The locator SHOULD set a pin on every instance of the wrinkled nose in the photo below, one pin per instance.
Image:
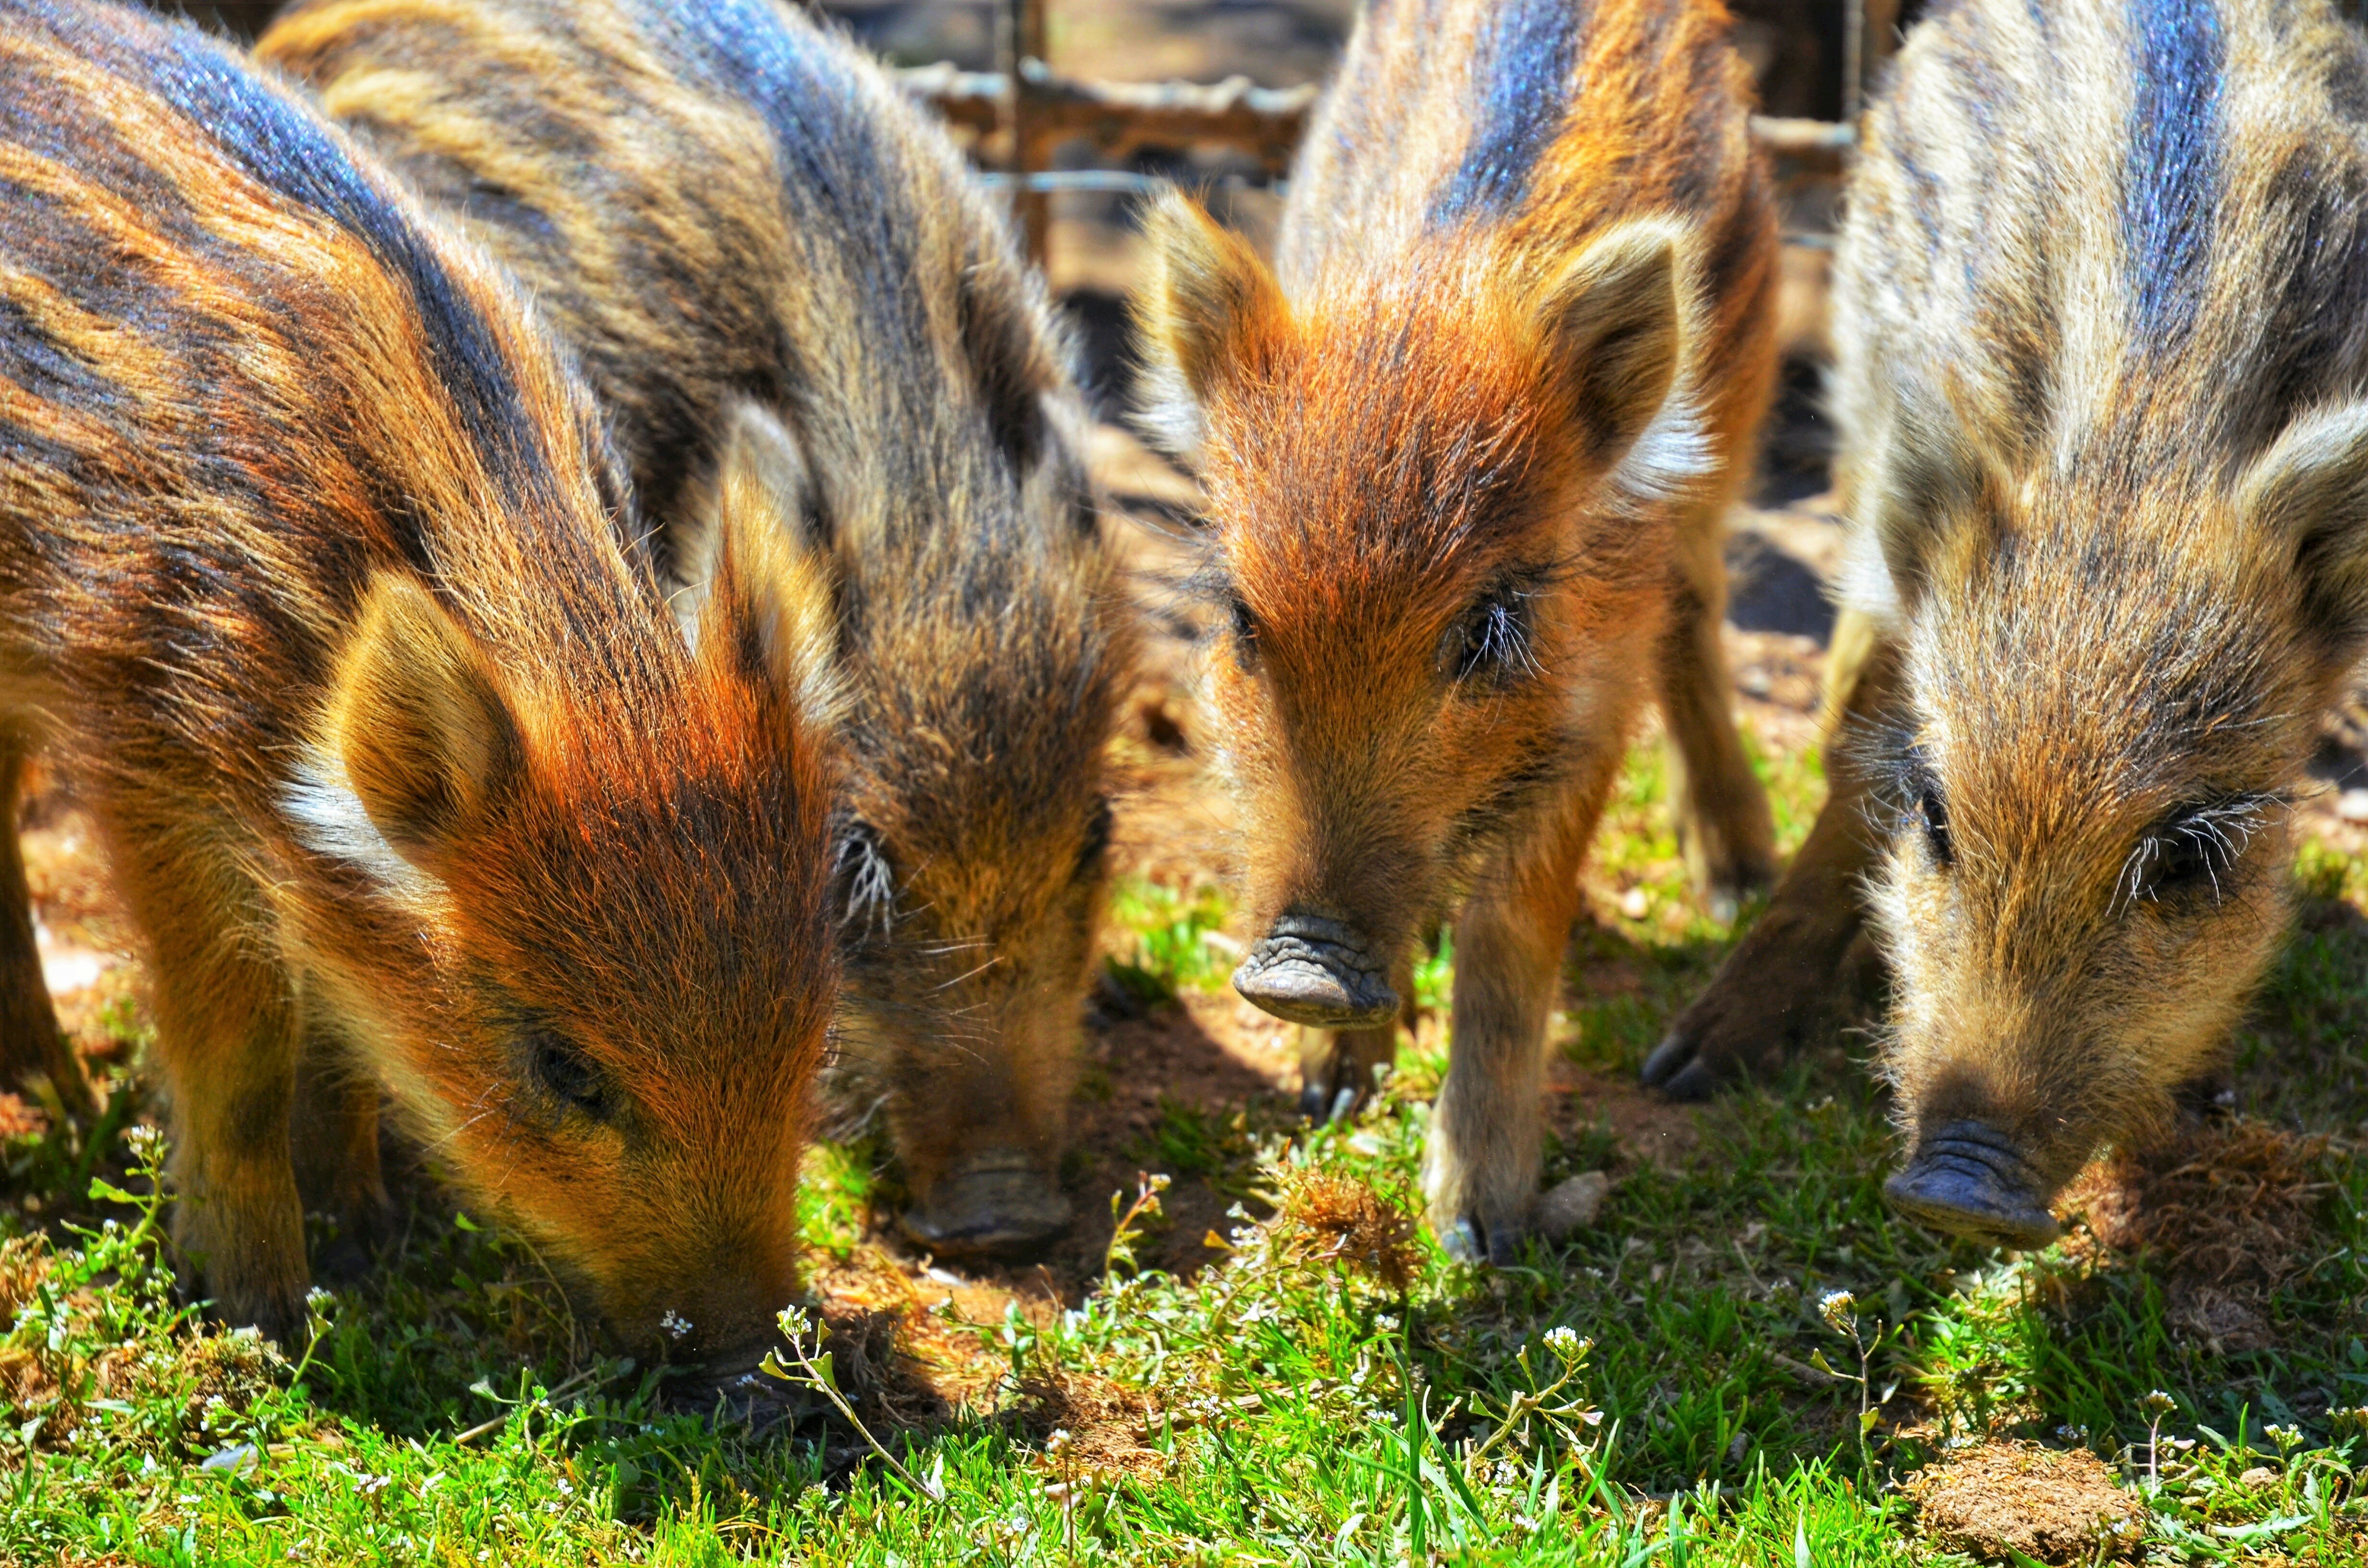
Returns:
(997, 1204)
(1971, 1180)
(1313, 970)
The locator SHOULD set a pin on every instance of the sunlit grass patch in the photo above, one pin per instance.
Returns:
(834, 1184)
(1168, 942)
(1676, 1384)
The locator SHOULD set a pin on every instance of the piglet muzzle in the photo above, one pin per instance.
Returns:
(1969, 1179)
(1311, 970)
(995, 1205)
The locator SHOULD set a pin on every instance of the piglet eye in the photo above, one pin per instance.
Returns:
(2196, 849)
(1935, 815)
(562, 1071)
(1245, 629)
(1098, 838)
(1493, 641)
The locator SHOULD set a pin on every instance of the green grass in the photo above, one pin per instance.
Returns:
(1170, 942)
(1666, 1389)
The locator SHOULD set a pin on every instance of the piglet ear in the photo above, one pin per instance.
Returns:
(2311, 487)
(1613, 330)
(429, 744)
(1208, 303)
(771, 610)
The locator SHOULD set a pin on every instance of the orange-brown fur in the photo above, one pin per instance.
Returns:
(1500, 385)
(744, 226)
(307, 567)
(2101, 332)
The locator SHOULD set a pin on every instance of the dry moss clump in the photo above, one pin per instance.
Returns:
(2002, 1498)
(1093, 1429)
(1334, 1218)
(2235, 1205)
(2226, 1216)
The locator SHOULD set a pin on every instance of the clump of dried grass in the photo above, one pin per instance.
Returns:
(1327, 1219)
(2004, 1498)
(23, 1263)
(20, 1118)
(1108, 1426)
(877, 1373)
(2226, 1216)
(2234, 1207)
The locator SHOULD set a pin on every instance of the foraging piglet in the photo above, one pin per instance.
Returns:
(2101, 314)
(747, 228)
(307, 567)
(1466, 451)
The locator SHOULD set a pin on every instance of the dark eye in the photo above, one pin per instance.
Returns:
(566, 1074)
(1934, 814)
(2195, 849)
(2182, 862)
(1492, 642)
(1245, 629)
(1098, 838)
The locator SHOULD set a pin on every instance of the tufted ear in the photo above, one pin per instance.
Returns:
(416, 717)
(1613, 330)
(2311, 487)
(1208, 303)
(771, 610)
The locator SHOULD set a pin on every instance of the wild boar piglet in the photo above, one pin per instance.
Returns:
(1466, 450)
(773, 264)
(307, 567)
(2102, 320)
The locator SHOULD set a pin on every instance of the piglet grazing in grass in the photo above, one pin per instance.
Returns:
(310, 567)
(758, 244)
(2102, 319)
(1466, 450)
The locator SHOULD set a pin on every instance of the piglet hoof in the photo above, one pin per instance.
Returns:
(1788, 984)
(1309, 970)
(1679, 1068)
(1968, 1179)
(1323, 1103)
(1476, 1226)
(1473, 1239)
(1010, 1211)
(1336, 1069)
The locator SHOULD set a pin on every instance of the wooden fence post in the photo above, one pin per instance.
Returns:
(1022, 48)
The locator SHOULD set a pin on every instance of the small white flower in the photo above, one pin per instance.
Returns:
(1839, 1309)
(676, 1325)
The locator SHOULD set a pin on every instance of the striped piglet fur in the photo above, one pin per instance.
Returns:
(2102, 319)
(311, 570)
(1466, 448)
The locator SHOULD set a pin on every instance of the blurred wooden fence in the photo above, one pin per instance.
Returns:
(1025, 111)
